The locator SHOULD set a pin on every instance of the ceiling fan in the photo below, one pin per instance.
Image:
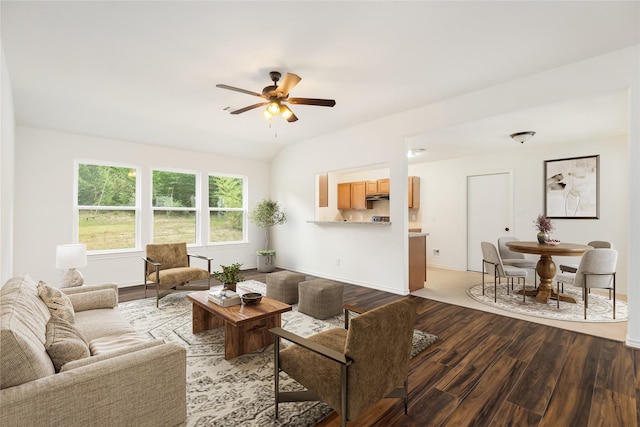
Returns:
(277, 95)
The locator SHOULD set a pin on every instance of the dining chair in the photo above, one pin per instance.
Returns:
(573, 267)
(597, 269)
(516, 259)
(595, 244)
(493, 263)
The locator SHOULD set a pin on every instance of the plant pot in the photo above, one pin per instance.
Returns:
(542, 237)
(265, 263)
(230, 286)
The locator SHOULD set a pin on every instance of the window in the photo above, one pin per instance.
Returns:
(227, 211)
(174, 207)
(106, 204)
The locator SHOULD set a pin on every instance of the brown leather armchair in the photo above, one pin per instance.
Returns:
(167, 268)
(350, 369)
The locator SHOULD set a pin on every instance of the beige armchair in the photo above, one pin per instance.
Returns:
(350, 369)
(167, 268)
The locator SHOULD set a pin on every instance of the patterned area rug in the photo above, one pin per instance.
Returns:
(600, 307)
(236, 392)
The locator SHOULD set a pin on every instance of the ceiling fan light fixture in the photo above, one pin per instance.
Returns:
(267, 115)
(522, 137)
(273, 108)
(286, 112)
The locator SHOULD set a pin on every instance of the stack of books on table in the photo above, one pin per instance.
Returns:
(224, 298)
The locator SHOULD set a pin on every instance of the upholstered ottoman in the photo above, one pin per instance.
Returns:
(283, 286)
(320, 298)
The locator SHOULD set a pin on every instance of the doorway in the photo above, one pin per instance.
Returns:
(489, 213)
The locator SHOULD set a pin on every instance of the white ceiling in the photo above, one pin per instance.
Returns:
(146, 71)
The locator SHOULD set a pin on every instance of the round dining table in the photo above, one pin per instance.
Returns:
(546, 268)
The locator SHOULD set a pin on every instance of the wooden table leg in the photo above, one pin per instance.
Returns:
(203, 320)
(249, 336)
(546, 270)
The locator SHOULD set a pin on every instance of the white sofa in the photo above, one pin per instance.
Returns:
(128, 379)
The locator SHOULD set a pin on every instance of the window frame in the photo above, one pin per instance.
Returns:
(137, 209)
(244, 209)
(196, 209)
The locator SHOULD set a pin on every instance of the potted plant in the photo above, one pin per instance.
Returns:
(265, 215)
(544, 227)
(229, 276)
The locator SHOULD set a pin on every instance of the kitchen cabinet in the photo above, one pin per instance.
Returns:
(372, 187)
(383, 186)
(414, 192)
(323, 190)
(344, 195)
(352, 195)
(417, 261)
(380, 186)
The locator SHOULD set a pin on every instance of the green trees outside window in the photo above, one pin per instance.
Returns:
(226, 209)
(106, 207)
(174, 207)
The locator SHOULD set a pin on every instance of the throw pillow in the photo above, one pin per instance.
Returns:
(102, 298)
(64, 343)
(58, 303)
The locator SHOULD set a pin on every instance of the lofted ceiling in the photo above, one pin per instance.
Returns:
(146, 71)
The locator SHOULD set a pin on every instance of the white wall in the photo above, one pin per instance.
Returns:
(44, 201)
(7, 152)
(444, 200)
(378, 258)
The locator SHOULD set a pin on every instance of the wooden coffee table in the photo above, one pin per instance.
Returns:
(246, 326)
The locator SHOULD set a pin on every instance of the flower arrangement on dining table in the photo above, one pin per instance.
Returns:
(544, 226)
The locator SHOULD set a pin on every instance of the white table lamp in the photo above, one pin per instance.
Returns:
(71, 257)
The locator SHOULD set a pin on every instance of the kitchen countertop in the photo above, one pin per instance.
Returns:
(412, 234)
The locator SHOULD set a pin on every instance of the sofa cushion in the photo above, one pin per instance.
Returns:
(102, 322)
(64, 342)
(23, 322)
(58, 303)
(110, 343)
(101, 298)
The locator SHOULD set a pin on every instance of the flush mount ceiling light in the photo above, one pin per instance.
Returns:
(413, 152)
(522, 137)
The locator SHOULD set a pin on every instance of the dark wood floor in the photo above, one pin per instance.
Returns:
(491, 370)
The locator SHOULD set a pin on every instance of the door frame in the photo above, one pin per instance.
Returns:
(510, 203)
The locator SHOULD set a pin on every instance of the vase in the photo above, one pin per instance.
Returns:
(265, 263)
(543, 237)
(230, 286)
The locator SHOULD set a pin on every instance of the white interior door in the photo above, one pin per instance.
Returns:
(489, 213)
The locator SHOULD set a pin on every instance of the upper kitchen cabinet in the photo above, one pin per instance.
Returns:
(383, 186)
(352, 195)
(380, 186)
(414, 192)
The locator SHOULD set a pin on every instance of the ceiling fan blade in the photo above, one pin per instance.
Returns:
(292, 118)
(237, 89)
(313, 101)
(250, 107)
(288, 83)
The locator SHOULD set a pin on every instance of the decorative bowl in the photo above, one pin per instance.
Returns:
(251, 298)
(552, 242)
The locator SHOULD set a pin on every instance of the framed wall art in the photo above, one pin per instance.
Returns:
(572, 187)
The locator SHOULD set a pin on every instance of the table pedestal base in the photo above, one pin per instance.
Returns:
(554, 295)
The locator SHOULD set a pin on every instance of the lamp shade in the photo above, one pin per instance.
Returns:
(71, 256)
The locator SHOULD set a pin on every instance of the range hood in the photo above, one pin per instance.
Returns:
(374, 197)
